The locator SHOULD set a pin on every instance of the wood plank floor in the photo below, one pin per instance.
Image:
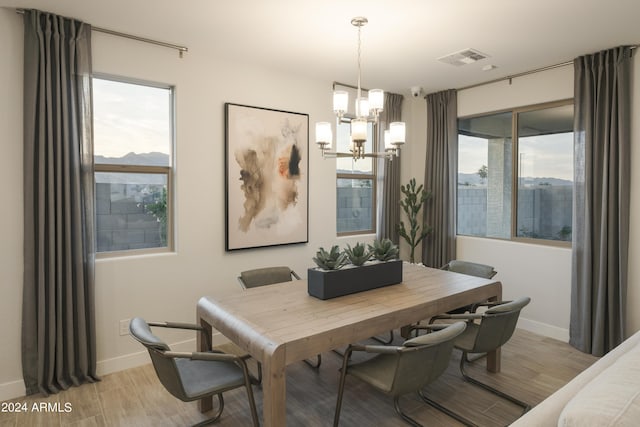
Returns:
(533, 367)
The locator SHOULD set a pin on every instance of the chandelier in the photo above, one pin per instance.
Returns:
(366, 110)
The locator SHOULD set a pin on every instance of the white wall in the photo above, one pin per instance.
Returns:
(539, 271)
(11, 223)
(163, 287)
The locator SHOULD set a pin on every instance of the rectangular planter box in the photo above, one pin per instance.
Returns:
(335, 283)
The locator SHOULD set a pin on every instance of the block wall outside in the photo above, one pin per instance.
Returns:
(543, 211)
(121, 220)
(354, 206)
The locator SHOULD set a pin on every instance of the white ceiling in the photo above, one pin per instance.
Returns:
(400, 45)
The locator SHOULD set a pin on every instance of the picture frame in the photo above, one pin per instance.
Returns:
(266, 177)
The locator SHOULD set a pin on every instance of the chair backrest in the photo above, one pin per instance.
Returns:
(498, 324)
(470, 268)
(266, 276)
(164, 366)
(424, 358)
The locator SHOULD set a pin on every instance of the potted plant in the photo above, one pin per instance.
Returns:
(357, 255)
(414, 199)
(332, 260)
(384, 250)
(345, 272)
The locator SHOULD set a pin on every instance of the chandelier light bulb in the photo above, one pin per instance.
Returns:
(387, 140)
(397, 133)
(359, 130)
(376, 99)
(362, 107)
(324, 134)
(340, 101)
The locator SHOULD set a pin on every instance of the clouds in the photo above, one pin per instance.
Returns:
(542, 156)
(131, 117)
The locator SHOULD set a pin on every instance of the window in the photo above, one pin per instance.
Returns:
(356, 185)
(515, 173)
(133, 144)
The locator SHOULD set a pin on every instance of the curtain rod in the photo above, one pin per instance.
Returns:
(525, 73)
(181, 49)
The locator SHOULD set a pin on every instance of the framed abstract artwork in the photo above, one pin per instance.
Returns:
(267, 177)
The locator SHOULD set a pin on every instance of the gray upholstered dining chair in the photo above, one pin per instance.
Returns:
(470, 268)
(195, 375)
(488, 331)
(462, 267)
(400, 370)
(263, 277)
(266, 276)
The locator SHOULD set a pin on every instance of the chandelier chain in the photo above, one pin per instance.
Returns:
(359, 61)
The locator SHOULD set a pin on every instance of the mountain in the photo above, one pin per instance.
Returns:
(474, 180)
(146, 159)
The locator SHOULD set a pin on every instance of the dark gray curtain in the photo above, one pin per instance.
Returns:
(601, 200)
(389, 173)
(439, 247)
(58, 319)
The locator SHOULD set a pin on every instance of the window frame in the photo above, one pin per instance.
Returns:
(373, 176)
(515, 172)
(168, 171)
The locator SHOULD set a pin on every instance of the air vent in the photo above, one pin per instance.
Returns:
(463, 57)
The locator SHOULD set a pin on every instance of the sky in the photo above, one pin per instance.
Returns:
(130, 118)
(549, 156)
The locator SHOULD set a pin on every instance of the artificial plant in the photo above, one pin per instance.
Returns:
(413, 200)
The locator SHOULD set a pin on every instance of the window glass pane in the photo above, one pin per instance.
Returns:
(545, 173)
(343, 140)
(131, 123)
(355, 205)
(485, 175)
(131, 210)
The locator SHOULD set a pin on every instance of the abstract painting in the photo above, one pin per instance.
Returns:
(267, 177)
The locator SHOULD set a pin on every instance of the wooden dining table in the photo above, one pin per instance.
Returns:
(281, 324)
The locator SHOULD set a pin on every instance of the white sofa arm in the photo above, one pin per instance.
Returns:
(548, 412)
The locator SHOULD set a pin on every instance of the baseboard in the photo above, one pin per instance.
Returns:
(140, 358)
(545, 329)
(13, 389)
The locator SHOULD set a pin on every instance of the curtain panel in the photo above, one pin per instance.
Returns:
(439, 247)
(389, 173)
(602, 140)
(58, 318)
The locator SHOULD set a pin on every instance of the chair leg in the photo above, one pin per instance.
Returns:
(314, 365)
(252, 405)
(216, 416)
(343, 376)
(441, 408)
(248, 379)
(405, 417)
(487, 387)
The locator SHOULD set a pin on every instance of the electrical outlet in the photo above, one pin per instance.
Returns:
(124, 327)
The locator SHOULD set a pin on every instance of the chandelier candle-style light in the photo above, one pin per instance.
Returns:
(367, 110)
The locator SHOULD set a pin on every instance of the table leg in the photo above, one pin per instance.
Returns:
(203, 344)
(274, 381)
(493, 360)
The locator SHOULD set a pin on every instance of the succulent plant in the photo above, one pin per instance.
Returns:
(332, 260)
(358, 255)
(384, 250)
